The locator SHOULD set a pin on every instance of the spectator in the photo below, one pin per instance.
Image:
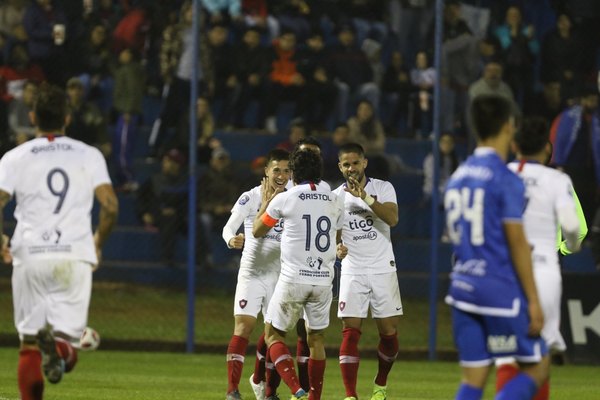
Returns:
(96, 68)
(205, 126)
(293, 16)
(106, 12)
(297, 132)
(251, 68)
(396, 88)
(352, 71)
(423, 78)
(218, 190)
(161, 203)
(490, 83)
(18, 71)
(87, 123)
(19, 120)
(448, 162)
(256, 15)
(47, 32)
(321, 91)
(176, 62)
(286, 83)
(366, 130)
(520, 50)
(547, 104)
(11, 19)
(223, 69)
(561, 55)
(223, 11)
(575, 135)
(459, 65)
(127, 102)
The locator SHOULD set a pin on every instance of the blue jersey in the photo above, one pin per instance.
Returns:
(480, 197)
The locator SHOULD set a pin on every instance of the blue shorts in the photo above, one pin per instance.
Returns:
(482, 338)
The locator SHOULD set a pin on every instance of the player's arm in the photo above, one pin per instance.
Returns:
(4, 250)
(564, 247)
(109, 211)
(233, 239)
(521, 257)
(387, 212)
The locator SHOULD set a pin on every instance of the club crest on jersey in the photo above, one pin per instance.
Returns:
(243, 303)
(244, 199)
(342, 305)
(315, 263)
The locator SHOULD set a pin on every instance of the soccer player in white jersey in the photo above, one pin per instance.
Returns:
(312, 218)
(368, 278)
(259, 270)
(550, 203)
(54, 179)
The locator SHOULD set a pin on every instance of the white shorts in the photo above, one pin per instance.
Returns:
(54, 292)
(379, 291)
(290, 300)
(549, 286)
(253, 293)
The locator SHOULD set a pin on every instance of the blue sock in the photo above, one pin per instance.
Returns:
(521, 387)
(466, 392)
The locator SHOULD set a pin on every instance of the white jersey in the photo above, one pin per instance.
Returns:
(53, 180)
(312, 217)
(365, 234)
(259, 254)
(321, 185)
(547, 190)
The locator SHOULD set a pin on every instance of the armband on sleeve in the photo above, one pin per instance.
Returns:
(268, 220)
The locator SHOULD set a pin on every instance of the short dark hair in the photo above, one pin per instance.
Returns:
(532, 136)
(307, 140)
(278, 155)
(306, 166)
(50, 108)
(488, 114)
(351, 148)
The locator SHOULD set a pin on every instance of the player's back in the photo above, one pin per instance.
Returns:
(53, 180)
(547, 189)
(312, 217)
(481, 196)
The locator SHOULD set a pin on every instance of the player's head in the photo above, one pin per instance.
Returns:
(308, 143)
(352, 161)
(306, 166)
(277, 169)
(532, 137)
(492, 116)
(50, 109)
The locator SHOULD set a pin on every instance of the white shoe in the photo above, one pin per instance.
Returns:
(258, 389)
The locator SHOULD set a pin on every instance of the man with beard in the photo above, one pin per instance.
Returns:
(368, 277)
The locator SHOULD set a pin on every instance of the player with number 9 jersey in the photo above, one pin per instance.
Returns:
(53, 179)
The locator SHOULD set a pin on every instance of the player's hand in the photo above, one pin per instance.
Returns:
(354, 188)
(237, 242)
(536, 318)
(5, 250)
(341, 251)
(268, 193)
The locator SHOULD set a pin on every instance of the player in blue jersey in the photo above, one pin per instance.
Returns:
(495, 307)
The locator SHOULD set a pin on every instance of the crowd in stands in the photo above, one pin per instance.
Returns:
(344, 70)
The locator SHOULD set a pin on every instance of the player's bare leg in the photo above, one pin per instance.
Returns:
(281, 357)
(386, 354)
(236, 352)
(349, 356)
(472, 383)
(316, 363)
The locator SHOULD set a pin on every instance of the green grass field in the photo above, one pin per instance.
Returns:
(109, 375)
